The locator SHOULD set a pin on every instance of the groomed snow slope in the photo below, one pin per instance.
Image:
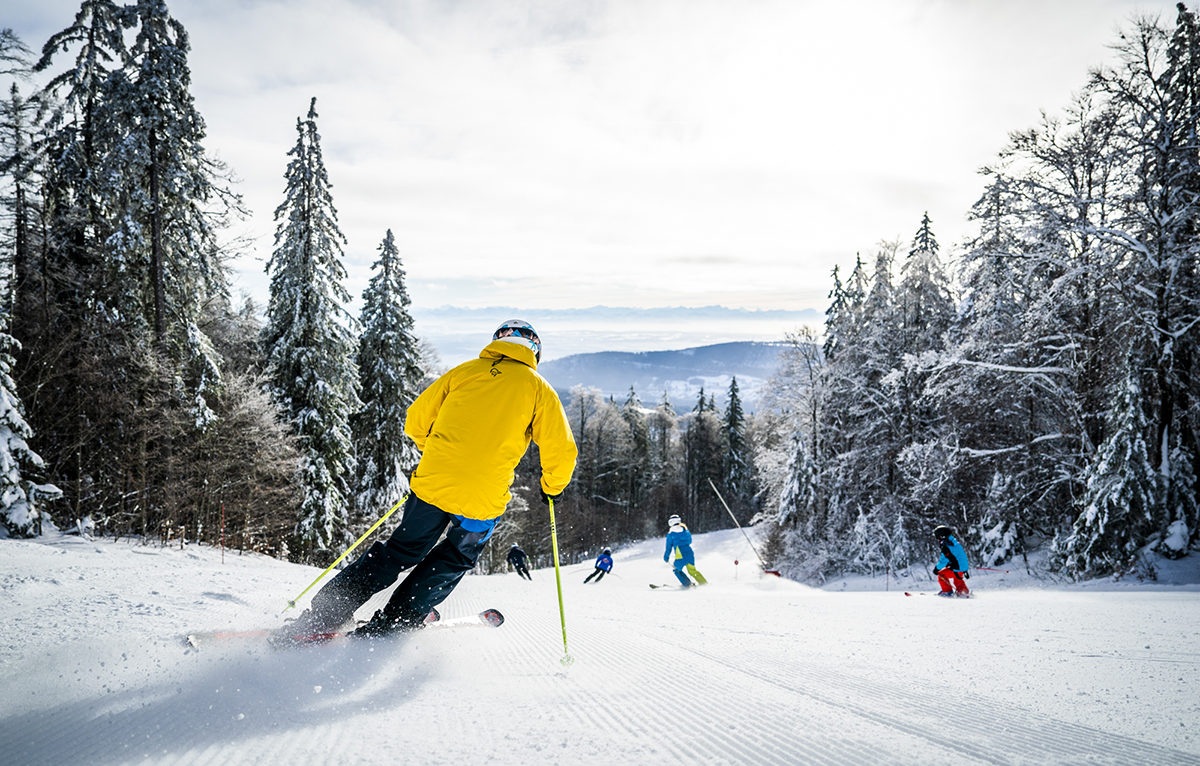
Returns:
(750, 669)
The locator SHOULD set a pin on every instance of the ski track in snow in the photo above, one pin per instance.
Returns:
(747, 670)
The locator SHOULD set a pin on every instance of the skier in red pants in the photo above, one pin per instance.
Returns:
(952, 567)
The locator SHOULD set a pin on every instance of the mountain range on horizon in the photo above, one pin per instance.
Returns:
(680, 373)
(459, 333)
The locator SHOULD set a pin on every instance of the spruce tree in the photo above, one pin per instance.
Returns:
(636, 458)
(1156, 242)
(1121, 505)
(738, 469)
(797, 499)
(390, 372)
(20, 515)
(703, 462)
(168, 200)
(310, 346)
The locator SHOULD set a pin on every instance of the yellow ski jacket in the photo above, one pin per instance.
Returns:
(475, 422)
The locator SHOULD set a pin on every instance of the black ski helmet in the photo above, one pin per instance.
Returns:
(608, 550)
(942, 531)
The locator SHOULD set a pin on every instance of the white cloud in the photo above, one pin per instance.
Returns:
(664, 151)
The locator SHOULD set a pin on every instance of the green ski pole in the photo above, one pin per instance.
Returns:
(365, 535)
(567, 659)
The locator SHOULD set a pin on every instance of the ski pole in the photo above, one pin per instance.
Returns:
(989, 569)
(365, 535)
(739, 526)
(567, 659)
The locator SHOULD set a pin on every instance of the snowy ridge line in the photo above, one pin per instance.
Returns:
(1066, 741)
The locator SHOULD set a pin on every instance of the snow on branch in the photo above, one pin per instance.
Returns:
(1004, 450)
(1011, 368)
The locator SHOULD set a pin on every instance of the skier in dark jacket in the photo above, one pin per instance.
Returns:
(603, 566)
(952, 567)
(517, 557)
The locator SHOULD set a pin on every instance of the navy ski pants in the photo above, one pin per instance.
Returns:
(436, 567)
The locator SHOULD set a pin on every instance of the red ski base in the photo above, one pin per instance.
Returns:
(488, 617)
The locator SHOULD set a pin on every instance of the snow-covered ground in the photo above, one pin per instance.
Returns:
(748, 669)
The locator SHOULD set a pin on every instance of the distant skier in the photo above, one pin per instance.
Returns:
(472, 426)
(679, 540)
(517, 557)
(952, 567)
(604, 564)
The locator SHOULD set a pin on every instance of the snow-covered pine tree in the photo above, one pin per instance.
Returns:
(1121, 506)
(665, 476)
(61, 320)
(863, 388)
(390, 373)
(1002, 408)
(927, 310)
(703, 460)
(797, 499)
(168, 200)
(738, 469)
(635, 456)
(75, 140)
(1155, 238)
(19, 496)
(791, 408)
(1183, 89)
(838, 316)
(1063, 169)
(20, 166)
(310, 346)
(923, 294)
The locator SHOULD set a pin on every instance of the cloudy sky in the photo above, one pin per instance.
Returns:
(552, 154)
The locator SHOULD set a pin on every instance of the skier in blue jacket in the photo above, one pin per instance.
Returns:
(952, 567)
(604, 565)
(679, 540)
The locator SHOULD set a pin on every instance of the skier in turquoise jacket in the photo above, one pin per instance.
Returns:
(952, 567)
(679, 540)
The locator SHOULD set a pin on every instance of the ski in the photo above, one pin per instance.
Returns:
(935, 594)
(488, 617)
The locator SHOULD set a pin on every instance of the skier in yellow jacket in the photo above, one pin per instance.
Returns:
(472, 425)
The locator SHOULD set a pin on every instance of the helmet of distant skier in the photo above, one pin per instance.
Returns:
(607, 551)
(674, 520)
(941, 532)
(520, 332)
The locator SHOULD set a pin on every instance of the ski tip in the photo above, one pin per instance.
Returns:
(492, 617)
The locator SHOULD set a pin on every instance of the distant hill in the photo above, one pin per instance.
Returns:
(680, 373)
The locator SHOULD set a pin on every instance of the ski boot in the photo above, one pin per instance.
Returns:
(385, 622)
